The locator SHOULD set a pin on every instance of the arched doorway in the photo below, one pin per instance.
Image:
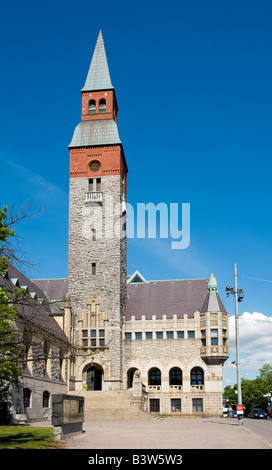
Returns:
(130, 377)
(94, 377)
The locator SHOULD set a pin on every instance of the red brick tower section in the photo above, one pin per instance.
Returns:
(100, 160)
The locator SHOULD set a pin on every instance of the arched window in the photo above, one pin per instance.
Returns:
(92, 107)
(175, 376)
(154, 377)
(46, 396)
(102, 106)
(197, 376)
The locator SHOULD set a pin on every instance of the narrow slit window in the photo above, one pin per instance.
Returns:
(93, 269)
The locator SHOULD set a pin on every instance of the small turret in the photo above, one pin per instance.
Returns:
(214, 325)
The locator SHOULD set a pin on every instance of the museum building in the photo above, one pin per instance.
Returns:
(164, 342)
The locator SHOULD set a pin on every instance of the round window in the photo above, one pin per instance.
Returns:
(94, 166)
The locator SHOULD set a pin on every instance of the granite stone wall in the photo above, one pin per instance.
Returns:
(107, 251)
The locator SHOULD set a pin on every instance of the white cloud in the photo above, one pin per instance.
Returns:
(38, 187)
(255, 333)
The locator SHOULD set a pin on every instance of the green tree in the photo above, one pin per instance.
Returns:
(266, 376)
(11, 347)
(253, 391)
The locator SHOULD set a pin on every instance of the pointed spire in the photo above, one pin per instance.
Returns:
(98, 77)
(212, 285)
(212, 302)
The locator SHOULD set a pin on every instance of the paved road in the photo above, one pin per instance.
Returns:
(209, 433)
(261, 428)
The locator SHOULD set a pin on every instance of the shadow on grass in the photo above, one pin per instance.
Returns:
(34, 438)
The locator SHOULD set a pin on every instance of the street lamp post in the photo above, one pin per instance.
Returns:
(239, 295)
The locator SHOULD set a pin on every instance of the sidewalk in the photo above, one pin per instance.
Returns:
(174, 433)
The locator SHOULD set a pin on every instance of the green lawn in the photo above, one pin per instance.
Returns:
(27, 437)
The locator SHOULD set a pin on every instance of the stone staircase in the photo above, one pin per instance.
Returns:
(116, 405)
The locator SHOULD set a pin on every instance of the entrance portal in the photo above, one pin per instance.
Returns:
(130, 376)
(94, 377)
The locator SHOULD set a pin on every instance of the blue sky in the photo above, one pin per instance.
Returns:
(193, 85)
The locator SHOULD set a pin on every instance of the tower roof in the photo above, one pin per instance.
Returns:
(98, 77)
(212, 302)
(212, 286)
(102, 132)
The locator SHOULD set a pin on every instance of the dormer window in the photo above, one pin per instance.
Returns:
(92, 107)
(102, 106)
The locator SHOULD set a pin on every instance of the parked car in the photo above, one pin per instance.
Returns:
(257, 413)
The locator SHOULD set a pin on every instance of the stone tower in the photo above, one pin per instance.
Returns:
(97, 238)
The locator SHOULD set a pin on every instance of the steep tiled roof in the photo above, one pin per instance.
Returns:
(54, 288)
(34, 308)
(158, 298)
(98, 77)
(165, 298)
(212, 303)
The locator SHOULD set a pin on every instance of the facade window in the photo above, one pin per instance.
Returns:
(138, 336)
(175, 376)
(92, 107)
(45, 356)
(27, 338)
(93, 269)
(94, 185)
(224, 333)
(148, 335)
(154, 405)
(97, 337)
(203, 337)
(46, 396)
(197, 376)
(191, 334)
(180, 334)
(128, 336)
(61, 360)
(94, 166)
(214, 337)
(27, 397)
(159, 335)
(154, 377)
(101, 337)
(197, 405)
(93, 234)
(93, 338)
(170, 334)
(175, 405)
(102, 106)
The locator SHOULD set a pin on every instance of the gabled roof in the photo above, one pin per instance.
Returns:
(98, 77)
(136, 278)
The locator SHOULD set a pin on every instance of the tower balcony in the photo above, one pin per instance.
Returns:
(214, 353)
(94, 196)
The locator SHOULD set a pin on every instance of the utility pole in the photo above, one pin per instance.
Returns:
(239, 295)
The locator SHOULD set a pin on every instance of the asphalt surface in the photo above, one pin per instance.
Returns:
(174, 433)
